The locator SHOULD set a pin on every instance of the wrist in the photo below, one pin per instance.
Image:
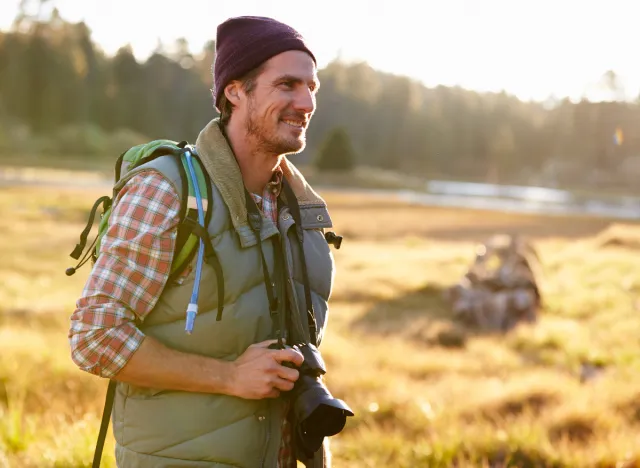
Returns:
(225, 378)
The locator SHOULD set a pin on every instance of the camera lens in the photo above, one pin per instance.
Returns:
(317, 412)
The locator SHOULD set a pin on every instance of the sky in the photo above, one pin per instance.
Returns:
(533, 49)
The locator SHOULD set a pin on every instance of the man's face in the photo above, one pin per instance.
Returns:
(278, 110)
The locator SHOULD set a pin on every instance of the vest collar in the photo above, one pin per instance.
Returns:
(221, 165)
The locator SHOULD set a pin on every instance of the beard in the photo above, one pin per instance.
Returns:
(270, 139)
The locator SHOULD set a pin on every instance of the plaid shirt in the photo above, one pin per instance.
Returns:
(130, 273)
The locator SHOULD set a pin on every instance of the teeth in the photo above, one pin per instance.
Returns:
(293, 123)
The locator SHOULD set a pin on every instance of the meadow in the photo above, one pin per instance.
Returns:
(427, 391)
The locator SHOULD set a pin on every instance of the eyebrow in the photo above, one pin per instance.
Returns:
(297, 79)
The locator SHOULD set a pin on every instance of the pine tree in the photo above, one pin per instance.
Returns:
(336, 153)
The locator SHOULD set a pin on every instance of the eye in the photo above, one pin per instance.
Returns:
(287, 84)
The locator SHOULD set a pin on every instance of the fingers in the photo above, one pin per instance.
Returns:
(287, 373)
(282, 384)
(275, 386)
(290, 355)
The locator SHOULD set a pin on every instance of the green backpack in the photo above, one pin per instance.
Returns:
(188, 232)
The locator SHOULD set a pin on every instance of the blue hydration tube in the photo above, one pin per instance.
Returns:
(192, 308)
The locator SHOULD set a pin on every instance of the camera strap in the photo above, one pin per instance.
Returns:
(275, 284)
(292, 202)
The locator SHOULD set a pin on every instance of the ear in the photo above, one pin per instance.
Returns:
(233, 92)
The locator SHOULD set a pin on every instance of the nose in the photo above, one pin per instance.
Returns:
(305, 100)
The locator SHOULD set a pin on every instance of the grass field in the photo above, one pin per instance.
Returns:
(421, 400)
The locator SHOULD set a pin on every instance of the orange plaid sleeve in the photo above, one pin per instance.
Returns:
(128, 277)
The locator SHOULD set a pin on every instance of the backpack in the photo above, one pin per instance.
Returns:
(186, 244)
(192, 237)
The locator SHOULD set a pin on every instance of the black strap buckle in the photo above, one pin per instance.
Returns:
(333, 239)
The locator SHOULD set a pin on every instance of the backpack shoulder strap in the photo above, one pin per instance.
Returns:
(187, 239)
(104, 424)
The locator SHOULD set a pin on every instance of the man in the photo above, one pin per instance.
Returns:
(214, 398)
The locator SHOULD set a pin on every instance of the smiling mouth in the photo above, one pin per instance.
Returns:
(298, 124)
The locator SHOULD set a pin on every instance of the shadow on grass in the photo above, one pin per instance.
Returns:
(422, 315)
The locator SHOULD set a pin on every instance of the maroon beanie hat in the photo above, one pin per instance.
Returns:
(245, 42)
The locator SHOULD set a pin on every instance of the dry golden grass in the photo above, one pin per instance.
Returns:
(427, 391)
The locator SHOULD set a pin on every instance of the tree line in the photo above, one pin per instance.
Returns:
(60, 93)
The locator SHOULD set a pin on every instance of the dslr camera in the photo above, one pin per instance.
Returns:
(317, 414)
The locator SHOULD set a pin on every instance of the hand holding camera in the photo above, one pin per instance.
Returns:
(262, 372)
